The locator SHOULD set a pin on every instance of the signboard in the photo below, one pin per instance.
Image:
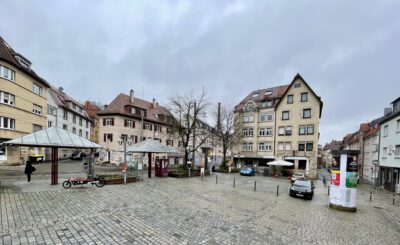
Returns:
(351, 171)
(335, 171)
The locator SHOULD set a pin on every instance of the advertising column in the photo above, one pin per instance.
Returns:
(344, 176)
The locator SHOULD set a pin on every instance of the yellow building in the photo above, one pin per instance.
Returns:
(280, 123)
(23, 102)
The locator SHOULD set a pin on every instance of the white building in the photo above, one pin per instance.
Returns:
(389, 150)
(66, 113)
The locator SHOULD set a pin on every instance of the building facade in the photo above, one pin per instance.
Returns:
(23, 103)
(281, 123)
(92, 110)
(66, 113)
(133, 118)
(389, 149)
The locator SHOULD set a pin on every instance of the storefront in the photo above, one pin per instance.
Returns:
(389, 178)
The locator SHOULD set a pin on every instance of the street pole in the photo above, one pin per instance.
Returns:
(125, 159)
(194, 134)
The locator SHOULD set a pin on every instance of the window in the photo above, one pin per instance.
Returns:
(384, 155)
(265, 132)
(37, 109)
(80, 132)
(398, 126)
(248, 118)
(108, 137)
(147, 126)
(288, 146)
(74, 106)
(129, 123)
(297, 85)
(268, 92)
(290, 99)
(302, 146)
(169, 130)
(7, 123)
(264, 146)
(7, 73)
(51, 110)
(282, 131)
(157, 128)
(248, 132)
(281, 146)
(285, 115)
(385, 130)
(180, 144)
(65, 114)
(80, 121)
(87, 124)
(265, 117)
(304, 97)
(74, 118)
(170, 142)
(267, 103)
(80, 109)
(249, 107)
(87, 135)
(288, 130)
(397, 151)
(49, 123)
(108, 121)
(309, 146)
(310, 129)
(7, 98)
(247, 147)
(307, 113)
(37, 89)
(302, 130)
(256, 95)
(65, 127)
(37, 127)
(74, 130)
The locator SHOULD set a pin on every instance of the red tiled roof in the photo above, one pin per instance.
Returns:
(7, 55)
(277, 93)
(364, 127)
(372, 132)
(61, 98)
(120, 103)
(91, 109)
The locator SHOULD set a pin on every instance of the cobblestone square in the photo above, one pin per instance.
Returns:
(192, 211)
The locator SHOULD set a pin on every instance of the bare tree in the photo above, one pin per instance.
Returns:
(189, 112)
(228, 130)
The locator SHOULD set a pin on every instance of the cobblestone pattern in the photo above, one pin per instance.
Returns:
(183, 211)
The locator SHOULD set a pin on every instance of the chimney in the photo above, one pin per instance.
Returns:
(154, 103)
(132, 95)
(61, 90)
(105, 106)
(387, 111)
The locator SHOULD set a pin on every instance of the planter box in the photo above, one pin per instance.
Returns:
(120, 181)
(183, 175)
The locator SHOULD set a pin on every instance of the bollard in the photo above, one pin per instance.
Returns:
(370, 196)
(233, 182)
(189, 172)
(328, 190)
(216, 179)
(394, 198)
(255, 186)
(277, 190)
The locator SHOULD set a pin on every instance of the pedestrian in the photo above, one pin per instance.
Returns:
(29, 169)
(324, 180)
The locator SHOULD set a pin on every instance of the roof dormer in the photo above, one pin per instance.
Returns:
(23, 61)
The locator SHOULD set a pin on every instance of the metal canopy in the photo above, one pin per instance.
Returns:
(280, 163)
(152, 146)
(52, 137)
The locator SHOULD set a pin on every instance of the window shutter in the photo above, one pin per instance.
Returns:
(133, 124)
(125, 123)
(136, 139)
(111, 137)
(104, 122)
(151, 127)
(105, 137)
(112, 121)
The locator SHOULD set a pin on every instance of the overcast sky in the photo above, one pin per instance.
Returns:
(347, 51)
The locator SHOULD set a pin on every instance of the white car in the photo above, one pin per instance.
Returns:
(297, 176)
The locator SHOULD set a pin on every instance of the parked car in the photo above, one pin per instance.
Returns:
(297, 176)
(302, 188)
(77, 155)
(247, 171)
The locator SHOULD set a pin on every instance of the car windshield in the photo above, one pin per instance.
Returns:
(247, 168)
(301, 183)
(298, 175)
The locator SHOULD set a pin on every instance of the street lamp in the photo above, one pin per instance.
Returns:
(124, 140)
